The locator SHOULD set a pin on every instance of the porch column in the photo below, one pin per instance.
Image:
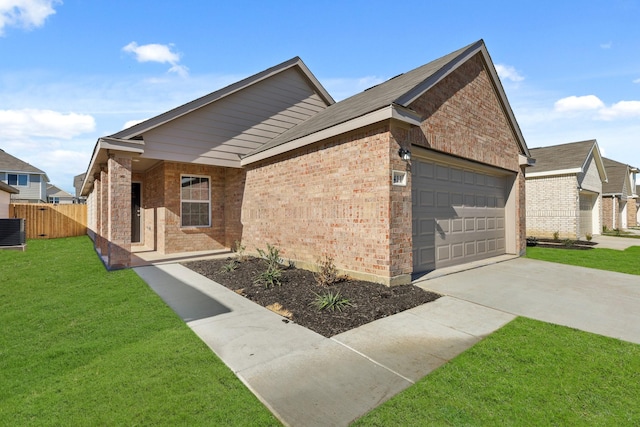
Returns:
(97, 201)
(104, 210)
(119, 206)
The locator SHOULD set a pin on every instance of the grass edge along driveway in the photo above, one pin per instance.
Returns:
(83, 346)
(531, 372)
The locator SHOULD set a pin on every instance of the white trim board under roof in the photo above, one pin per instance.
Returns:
(398, 92)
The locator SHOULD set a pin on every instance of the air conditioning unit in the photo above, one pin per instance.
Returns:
(12, 232)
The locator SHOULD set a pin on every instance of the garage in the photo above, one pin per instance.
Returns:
(458, 213)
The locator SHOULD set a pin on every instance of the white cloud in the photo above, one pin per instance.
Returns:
(132, 123)
(509, 73)
(622, 109)
(578, 103)
(27, 123)
(637, 80)
(606, 45)
(25, 14)
(157, 53)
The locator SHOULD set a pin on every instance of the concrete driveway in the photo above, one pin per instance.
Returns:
(592, 300)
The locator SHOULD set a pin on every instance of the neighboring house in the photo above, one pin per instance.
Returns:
(564, 190)
(619, 198)
(78, 180)
(420, 172)
(5, 198)
(638, 206)
(30, 181)
(57, 196)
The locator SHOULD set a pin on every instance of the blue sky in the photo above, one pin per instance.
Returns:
(74, 70)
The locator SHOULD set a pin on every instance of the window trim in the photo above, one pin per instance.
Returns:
(182, 201)
(18, 175)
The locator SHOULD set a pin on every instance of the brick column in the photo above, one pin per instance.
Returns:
(104, 210)
(119, 211)
(97, 199)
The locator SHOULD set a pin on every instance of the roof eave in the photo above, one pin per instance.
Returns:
(100, 155)
(390, 112)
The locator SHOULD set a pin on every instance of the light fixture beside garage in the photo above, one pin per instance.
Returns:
(404, 154)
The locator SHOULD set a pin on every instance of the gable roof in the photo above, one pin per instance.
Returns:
(8, 189)
(131, 139)
(390, 99)
(9, 163)
(53, 191)
(140, 128)
(619, 181)
(570, 158)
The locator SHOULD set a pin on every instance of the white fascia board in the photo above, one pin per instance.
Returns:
(401, 114)
(102, 147)
(552, 173)
(526, 161)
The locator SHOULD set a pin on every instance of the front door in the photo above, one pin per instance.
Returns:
(135, 212)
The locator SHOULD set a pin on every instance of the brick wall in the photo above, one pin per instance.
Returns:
(552, 205)
(333, 199)
(632, 213)
(119, 211)
(463, 116)
(609, 208)
(234, 196)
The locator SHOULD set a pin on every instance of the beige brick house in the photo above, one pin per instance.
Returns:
(564, 190)
(619, 201)
(420, 172)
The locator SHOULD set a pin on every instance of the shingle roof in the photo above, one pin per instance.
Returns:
(9, 163)
(400, 90)
(618, 173)
(561, 157)
(54, 191)
(7, 188)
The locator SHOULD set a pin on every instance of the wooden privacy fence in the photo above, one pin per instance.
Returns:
(49, 221)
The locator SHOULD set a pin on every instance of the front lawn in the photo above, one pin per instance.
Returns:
(527, 373)
(83, 346)
(627, 261)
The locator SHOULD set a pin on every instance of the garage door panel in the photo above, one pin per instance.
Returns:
(468, 215)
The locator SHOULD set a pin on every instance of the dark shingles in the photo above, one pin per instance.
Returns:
(561, 157)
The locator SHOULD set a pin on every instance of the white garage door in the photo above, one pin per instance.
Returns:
(458, 215)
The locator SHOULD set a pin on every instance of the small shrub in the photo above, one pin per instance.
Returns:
(327, 273)
(589, 236)
(569, 243)
(271, 256)
(604, 229)
(230, 266)
(532, 241)
(616, 232)
(330, 301)
(270, 277)
(240, 251)
(556, 235)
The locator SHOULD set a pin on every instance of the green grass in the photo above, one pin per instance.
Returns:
(627, 261)
(83, 346)
(527, 373)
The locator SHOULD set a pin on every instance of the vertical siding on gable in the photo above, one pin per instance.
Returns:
(462, 115)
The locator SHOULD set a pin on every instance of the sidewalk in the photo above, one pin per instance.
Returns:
(304, 378)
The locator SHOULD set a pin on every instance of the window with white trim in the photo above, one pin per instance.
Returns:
(20, 180)
(195, 201)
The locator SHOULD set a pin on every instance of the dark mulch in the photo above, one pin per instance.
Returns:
(369, 301)
(561, 243)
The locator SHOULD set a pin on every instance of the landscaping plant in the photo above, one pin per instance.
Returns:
(330, 300)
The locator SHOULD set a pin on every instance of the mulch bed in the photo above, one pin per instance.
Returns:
(369, 301)
(562, 244)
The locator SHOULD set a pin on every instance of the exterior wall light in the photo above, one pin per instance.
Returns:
(404, 154)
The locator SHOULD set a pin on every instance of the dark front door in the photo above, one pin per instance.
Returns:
(135, 212)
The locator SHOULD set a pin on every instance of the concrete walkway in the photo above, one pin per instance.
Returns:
(619, 243)
(306, 379)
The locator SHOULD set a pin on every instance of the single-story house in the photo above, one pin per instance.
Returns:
(638, 206)
(420, 172)
(58, 196)
(619, 196)
(5, 199)
(30, 181)
(564, 190)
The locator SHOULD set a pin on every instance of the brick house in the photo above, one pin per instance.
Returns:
(619, 198)
(564, 190)
(420, 172)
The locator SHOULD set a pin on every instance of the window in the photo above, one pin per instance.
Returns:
(54, 199)
(195, 201)
(21, 180)
(399, 178)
